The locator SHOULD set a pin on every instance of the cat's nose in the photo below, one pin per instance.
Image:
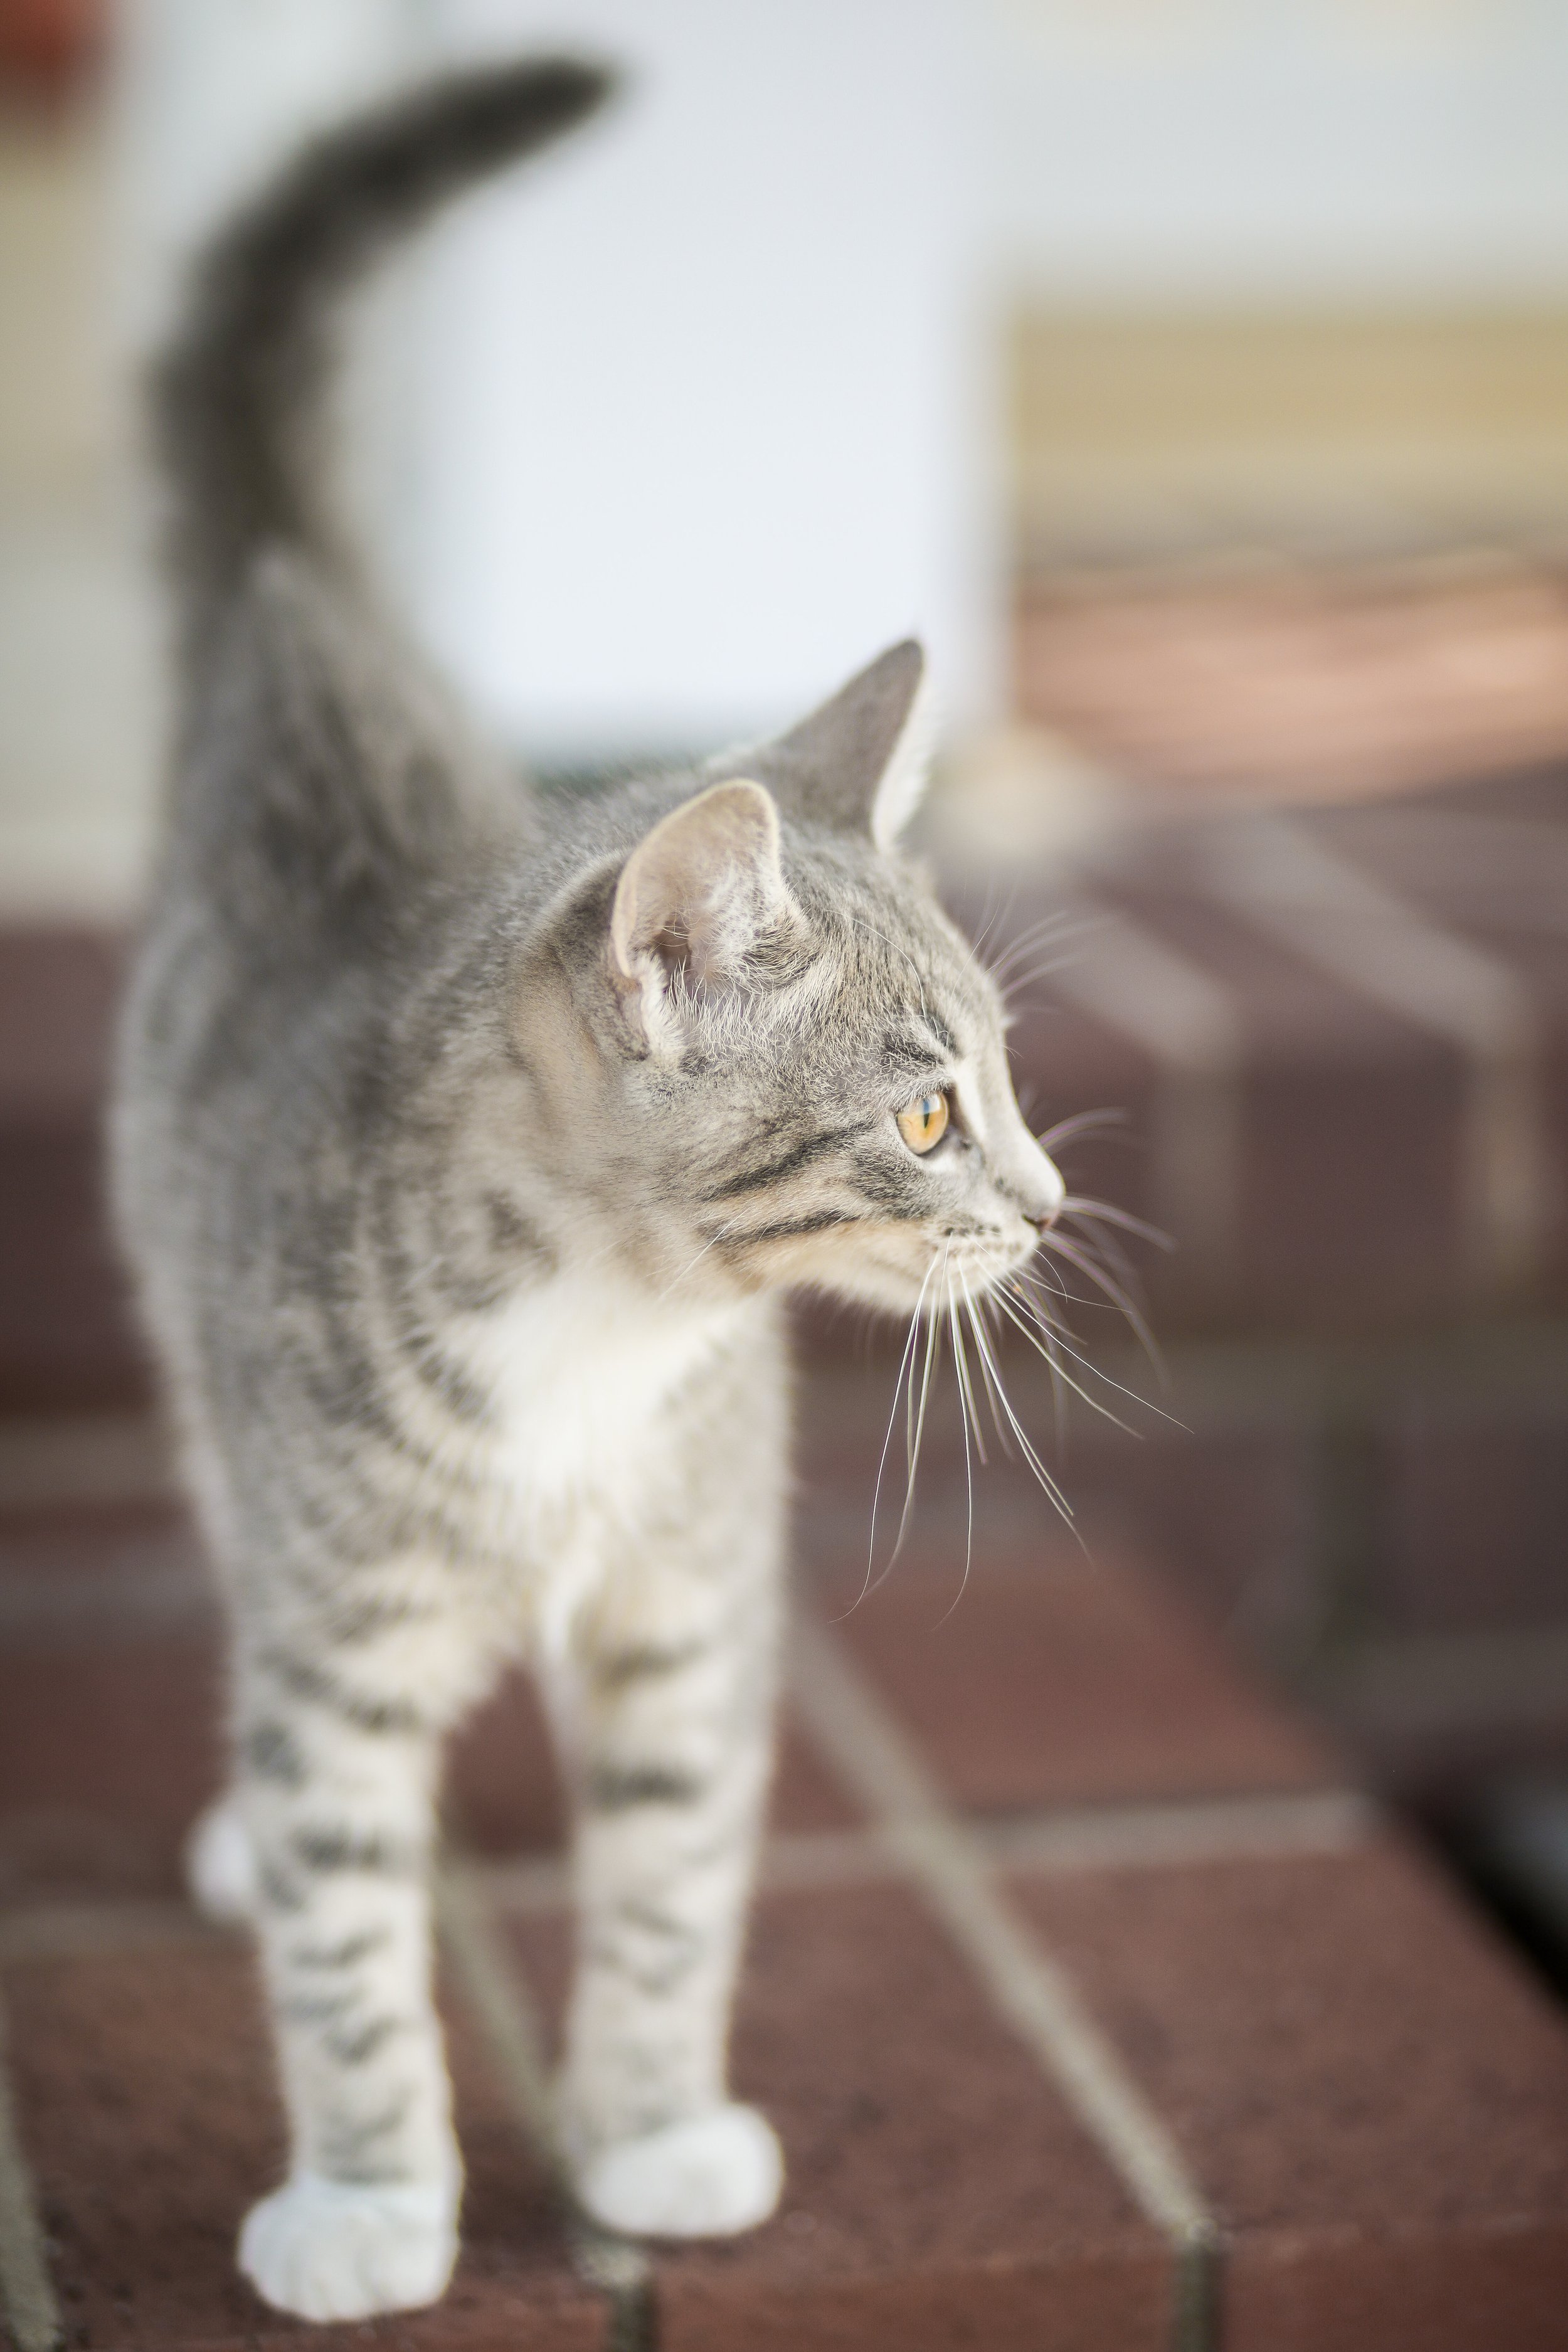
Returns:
(1039, 1187)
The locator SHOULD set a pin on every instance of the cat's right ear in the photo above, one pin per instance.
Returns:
(860, 762)
(693, 900)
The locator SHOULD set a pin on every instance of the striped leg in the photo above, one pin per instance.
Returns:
(336, 1790)
(671, 1737)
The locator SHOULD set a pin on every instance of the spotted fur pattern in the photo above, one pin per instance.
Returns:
(466, 1140)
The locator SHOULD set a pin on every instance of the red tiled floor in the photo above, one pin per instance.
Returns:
(146, 2103)
(940, 2195)
(110, 1697)
(1056, 1680)
(1370, 2090)
(1488, 1483)
(106, 1759)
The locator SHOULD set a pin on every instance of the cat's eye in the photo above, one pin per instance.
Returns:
(922, 1124)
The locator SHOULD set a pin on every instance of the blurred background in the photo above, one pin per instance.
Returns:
(1194, 374)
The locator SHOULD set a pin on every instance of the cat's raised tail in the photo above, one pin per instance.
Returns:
(238, 395)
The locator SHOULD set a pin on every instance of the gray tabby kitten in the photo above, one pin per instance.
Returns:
(467, 1143)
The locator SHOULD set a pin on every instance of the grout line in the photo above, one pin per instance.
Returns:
(1110, 1837)
(1190, 1026)
(97, 1605)
(96, 1458)
(1173, 1836)
(27, 2297)
(497, 2002)
(617, 2267)
(1107, 1837)
(61, 1930)
(1376, 943)
(1030, 1990)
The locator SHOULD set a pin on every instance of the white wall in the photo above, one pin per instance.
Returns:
(704, 413)
(1284, 151)
(690, 419)
(704, 418)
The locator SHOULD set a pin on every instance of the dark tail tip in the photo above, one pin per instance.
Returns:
(238, 397)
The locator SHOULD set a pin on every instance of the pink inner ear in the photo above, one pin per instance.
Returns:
(704, 881)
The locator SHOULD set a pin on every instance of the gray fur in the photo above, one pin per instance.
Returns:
(457, 1129)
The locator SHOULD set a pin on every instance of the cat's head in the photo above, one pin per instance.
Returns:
(802, 1074)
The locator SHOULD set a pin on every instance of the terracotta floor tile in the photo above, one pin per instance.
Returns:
(147, 2109)
(1368, 2087)
(108, 1753)
(938, 2196)
(503, 1795)
(1460, 2288)
(1052, 1680)
(1489, 1483)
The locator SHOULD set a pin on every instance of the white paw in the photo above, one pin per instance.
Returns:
(220, 1865)
(328, 2250)
(706, 2177)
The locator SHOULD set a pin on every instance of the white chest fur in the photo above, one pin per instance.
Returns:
(581, 1373)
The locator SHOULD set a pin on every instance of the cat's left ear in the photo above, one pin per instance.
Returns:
(696, 897)
(860, 762)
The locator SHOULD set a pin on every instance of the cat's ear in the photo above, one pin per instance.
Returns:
(860, 762)
(696, 894)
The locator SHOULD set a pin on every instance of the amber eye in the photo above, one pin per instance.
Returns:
(924, 1123)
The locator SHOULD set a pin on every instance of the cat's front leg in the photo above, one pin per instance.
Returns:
(670, 1751)
(336, 1794)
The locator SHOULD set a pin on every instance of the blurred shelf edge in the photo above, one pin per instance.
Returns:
(1345, 430)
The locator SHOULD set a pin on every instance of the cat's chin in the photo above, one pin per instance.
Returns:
(882, 1285)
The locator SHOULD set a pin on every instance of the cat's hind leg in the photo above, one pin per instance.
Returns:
(220, 1865)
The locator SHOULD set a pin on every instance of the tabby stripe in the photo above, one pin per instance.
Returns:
(815, 1147)
(346, 2145)
(359, 2049)
(272, 1753)
(382, 1718)
(788, 1227)
(616, 1787)
(447, 1381)
(656, 1980)
(648, 1664)
(327, 1851)
(338, 1955)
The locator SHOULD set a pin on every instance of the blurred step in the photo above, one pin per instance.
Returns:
(1340, 1037)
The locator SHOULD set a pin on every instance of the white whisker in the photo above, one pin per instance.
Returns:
(1030, 1455)
(914, 1434)
(1057, 1339)
(1061, 1245)
(727, 1227)
(963, 1425)
(1082, 1122)
(1047, 1347)
(961, 1362)
(1102, 1213)
(906, 1369)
